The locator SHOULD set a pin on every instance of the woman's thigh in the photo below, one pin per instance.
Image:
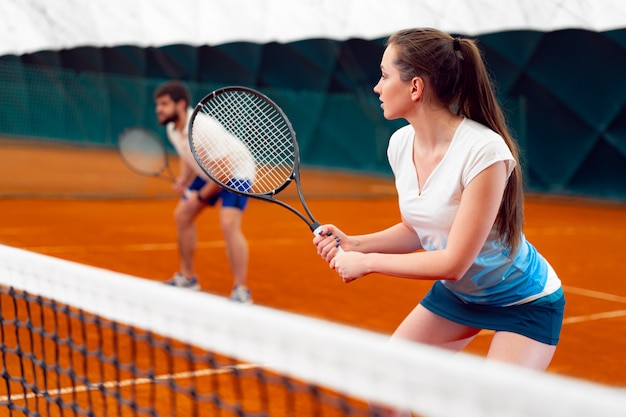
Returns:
(520, 350)
(424, 326)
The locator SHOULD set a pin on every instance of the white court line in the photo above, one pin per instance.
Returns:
(146, 247)
(595, 316)
(598, 295)
(587, 317)
(595, 294)
(127, 382)
(578, 319)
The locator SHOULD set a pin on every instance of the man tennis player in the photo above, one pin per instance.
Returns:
(199, 192)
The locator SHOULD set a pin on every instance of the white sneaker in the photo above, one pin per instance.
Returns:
(241, 294)
(178, 280)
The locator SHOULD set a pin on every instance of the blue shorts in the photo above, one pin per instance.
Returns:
(540, 320)
(229, 199)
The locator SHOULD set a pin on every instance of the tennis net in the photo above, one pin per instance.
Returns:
(84, 341)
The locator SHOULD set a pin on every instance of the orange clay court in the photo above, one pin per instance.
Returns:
(583, 240)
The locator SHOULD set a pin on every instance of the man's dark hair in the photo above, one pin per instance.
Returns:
(175, 89)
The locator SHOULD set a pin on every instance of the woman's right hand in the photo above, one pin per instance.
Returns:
(328, 240)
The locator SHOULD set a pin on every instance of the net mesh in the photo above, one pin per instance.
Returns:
(65, 361)
(84, 341)
(240, 134)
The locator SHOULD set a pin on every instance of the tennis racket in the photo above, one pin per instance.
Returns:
(246, 144)
(144, 152)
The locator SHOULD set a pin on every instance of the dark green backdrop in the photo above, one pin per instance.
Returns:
(564, 93)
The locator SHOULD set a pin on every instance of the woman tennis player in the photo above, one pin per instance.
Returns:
(459, 187)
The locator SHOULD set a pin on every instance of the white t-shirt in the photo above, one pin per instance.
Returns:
(180, 142)
(214, 143)
(221, 144)
(494, 278)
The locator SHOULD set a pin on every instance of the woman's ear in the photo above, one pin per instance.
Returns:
(417, 88)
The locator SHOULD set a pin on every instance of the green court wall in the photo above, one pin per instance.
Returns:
(563, 92)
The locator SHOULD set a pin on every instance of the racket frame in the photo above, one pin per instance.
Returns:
(295, 169)
(164, 172)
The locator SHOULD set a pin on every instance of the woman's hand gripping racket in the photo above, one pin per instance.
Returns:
(144, 152)
(245, 143)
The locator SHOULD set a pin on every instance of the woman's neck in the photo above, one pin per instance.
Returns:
(435, 128)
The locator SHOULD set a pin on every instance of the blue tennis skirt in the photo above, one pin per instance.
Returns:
(540, 320)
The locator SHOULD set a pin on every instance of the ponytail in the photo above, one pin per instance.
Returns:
(477, 101)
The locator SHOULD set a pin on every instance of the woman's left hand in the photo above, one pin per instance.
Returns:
(349, 265)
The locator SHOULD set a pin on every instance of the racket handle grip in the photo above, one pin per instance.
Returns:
(317, 232)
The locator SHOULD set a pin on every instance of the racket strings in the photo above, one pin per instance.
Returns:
(276, 150)
(255, 124)
(266, 120)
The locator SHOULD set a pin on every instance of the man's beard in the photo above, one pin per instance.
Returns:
(172, 118)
